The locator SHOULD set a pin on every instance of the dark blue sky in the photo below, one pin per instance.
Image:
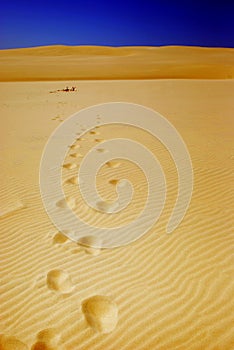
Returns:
(116, 23)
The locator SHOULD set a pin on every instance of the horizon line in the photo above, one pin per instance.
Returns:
(117, 46)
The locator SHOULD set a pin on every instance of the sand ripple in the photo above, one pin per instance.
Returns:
(163, 292)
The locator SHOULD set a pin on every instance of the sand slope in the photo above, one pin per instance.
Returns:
(162, 292)
(64, 63)
(171, 291)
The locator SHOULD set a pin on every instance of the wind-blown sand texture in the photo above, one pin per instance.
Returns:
(162, 292)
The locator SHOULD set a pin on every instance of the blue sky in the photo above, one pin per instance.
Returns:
(116, 23)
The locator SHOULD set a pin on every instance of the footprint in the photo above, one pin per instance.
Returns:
(68, 202)
(93, 132)
(47, 339)
(98, 119)
(99, 140)
(107, 207)
(59, 281)
(55, 118)
(113, 164)
(80, 139)
(113, 182)
(59, 238)
(91, 244)
(11, 343)
(70, 166)
(71, 202)
(73, 180)
(75, 155)
(74, 146)
(101, 150)
(62, 203)
(40, 345)
(101, 313)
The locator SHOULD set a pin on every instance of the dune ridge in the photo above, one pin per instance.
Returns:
(97, 62)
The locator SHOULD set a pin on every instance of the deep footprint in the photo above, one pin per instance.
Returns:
(70, 166)
(113, 164)
(74, 146)
(69, 202)
(113, 182)
(80, 139)
(59, 281)
(39, 345)
(47, 339)
(90, 244)
(72, 180)
(75, 155)
(99, 140)
(101, 313)
(93, 132)
(59, 238)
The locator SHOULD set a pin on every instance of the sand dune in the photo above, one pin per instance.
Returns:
(163, 291)
(87, 62)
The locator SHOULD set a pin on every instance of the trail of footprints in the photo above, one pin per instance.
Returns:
(47, 339)
(91, 245)
(58, 118)
(100, 312)
(69, 201)
(77, 155)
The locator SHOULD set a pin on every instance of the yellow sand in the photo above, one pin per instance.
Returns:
(87, 62)
(169, 291)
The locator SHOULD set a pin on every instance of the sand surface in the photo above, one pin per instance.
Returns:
(87, 62)
(163, 291)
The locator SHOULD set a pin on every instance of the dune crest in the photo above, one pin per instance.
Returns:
(97, 62)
